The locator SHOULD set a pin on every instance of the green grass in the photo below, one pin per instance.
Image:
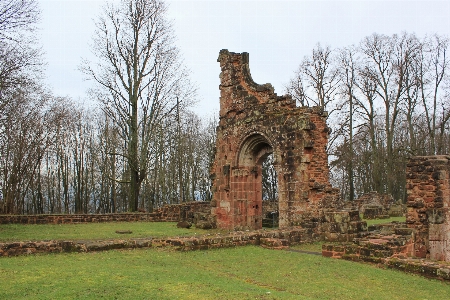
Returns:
(19, 232)
(312, 247)
(239, 273)
(383, 221)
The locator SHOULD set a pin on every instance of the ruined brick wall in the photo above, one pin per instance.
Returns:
(189, 211)
(79, 218)
(255, 122)
(374, 199)
(428, 200)
(374, 206)
(273, 239)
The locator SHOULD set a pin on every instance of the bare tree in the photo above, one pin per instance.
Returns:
(348, 64)
(269, 180)
(387, 62)
(315, 81)
(29, 132)
(139, 77)
(432, 72)
(20, 61)
(16, 16)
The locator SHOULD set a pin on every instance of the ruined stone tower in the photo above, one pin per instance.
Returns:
(255, 122)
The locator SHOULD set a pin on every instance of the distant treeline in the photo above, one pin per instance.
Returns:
(141, 147)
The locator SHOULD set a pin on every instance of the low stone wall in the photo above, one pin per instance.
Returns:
(371, 250)
(329, 226)
(392, 245)
(374, 212)
(338, 226)
(389, 256)
(397, 210)
(422, 267)
(189, 211)
(273, 239)
(75, 219)
(381, 241)
(268, 238)
(35, 247)
(377, 206)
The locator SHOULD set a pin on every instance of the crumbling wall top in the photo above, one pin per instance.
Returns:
(237, 83)
(240, 61)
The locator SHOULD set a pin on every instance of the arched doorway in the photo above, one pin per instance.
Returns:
(254, 151)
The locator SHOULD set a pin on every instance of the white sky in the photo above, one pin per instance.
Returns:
(277, 34)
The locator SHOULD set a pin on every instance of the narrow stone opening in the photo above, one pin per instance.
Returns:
(270, 193)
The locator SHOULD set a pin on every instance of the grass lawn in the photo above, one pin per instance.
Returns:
(239, 273)
(92, 231)
(19, 232)
(382, 221)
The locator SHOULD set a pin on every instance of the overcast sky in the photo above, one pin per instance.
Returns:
(277, 34)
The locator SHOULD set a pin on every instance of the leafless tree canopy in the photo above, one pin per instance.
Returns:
(387, 99)
(140, 79)
(17, 16)
(20, 56)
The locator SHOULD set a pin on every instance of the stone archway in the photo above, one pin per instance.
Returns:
(246, 180)
(255, 122)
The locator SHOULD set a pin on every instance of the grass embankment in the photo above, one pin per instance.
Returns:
(94, 231)
(239, 273)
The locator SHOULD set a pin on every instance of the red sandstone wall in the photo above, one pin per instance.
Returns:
(254, 121)
(428, 192)
(167, 213)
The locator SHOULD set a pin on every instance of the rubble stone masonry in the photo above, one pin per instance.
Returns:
(428, 200)
(189, 211)
(255, 122)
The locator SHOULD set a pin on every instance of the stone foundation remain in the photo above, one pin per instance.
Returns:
(82, 218)
(272, 239)
(377, 206)
(383, 241)
(391, 245)
(192, 212)
(380, 255)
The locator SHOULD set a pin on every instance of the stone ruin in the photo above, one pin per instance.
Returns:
(428, 202)
(254, 123)
(377, 206)
(373, 205)
(422, 244)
